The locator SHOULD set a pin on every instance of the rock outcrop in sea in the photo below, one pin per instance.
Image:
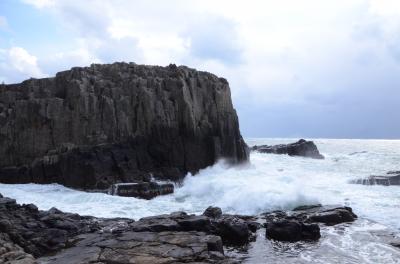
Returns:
(302, 148)
(94, 126)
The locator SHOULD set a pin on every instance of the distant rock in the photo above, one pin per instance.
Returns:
(302, 148)
(90, 127)
(389, 179)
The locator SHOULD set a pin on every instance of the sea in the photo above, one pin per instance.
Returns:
(271, 182)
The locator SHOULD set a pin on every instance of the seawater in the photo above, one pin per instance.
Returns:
(268, 182)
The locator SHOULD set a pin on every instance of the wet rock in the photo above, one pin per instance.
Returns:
(302, 223)
(213, 212)
(90, 127)
(292, 231)
(302, 148)
(232, 229)
(144, 190)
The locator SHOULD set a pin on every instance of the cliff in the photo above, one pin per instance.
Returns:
(93, 126)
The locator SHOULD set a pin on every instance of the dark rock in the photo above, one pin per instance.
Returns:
(253, 226)
(38, 232)
(11, 253)
(213, 212)
(31, 207)
(94, 126)
(292, 231)
(301, 223)
(145, 190)
(195, 223)
(233, 230)
(393, 172)
(302, 148)
(397, 245)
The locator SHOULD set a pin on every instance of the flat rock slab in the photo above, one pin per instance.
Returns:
(144, 190)
(389, 179)
(142, 247)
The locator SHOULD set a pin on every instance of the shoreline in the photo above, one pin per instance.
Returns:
(52, 236)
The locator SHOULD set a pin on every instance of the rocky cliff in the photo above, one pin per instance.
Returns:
(93, 126)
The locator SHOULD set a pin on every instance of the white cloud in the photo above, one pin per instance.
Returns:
(17, 64)
(286, 54)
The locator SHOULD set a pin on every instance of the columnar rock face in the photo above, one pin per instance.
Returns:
(93, 126)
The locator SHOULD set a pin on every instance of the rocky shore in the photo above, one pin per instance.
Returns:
(29, 235)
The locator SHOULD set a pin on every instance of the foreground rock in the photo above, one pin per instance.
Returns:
(302, 148)
(95, 126)
(302, 222)
(391, 178)
(28, 236)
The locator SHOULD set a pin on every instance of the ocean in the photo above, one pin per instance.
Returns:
(270, 182)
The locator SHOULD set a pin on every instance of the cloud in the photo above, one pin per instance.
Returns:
(297, 67)
(17, 63)
(215, 38)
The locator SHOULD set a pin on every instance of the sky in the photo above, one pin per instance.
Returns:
(296, 68)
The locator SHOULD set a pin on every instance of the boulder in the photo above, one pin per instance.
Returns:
(232, 229)
(91, 127)
(213, 212)
(333, 216)
(302, 148)
(302, 222)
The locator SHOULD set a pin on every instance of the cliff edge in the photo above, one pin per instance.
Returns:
(90, 127)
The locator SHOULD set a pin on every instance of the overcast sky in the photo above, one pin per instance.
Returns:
(300, 68)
